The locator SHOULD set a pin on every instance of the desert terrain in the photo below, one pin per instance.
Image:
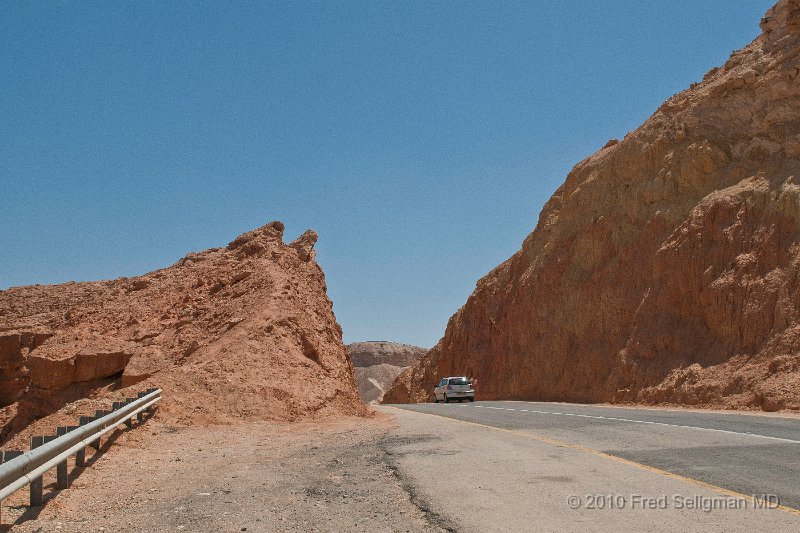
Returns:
(643, 345)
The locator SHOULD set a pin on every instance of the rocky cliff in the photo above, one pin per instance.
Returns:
(245, 331)
(665, 268)
(378, 363)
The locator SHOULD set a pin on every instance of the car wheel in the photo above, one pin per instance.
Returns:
(445, 398)
(472, 399)
(435, 398)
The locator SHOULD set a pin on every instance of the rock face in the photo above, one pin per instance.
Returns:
(378, 363)
(245, 331)
(665, 269)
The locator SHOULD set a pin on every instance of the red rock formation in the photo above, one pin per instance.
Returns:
(14, 350)
(665, 268)
(245, 331)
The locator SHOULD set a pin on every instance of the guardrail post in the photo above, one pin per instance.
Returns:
(129, 422)
(140, 416)
(150, 391)
(62, 476)
(95, 444)
(5, 456)
(120, 405)
(80, 455)
(11, 454)
(37, 485)
(98, 414)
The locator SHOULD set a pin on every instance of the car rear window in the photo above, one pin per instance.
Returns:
(459, 381)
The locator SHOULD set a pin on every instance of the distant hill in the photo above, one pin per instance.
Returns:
(378, 363)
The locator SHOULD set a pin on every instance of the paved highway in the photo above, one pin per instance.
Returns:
(619, 451)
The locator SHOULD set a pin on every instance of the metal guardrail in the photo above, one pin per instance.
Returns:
(20, 469)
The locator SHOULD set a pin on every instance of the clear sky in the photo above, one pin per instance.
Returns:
(420, 139)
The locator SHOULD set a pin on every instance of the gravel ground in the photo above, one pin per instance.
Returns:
(332, 476)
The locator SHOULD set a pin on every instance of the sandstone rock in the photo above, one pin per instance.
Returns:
(240, 276)
(610, 143)
(14, 350)
(304, 245)
(62, 362)
(191, 348)
(94, 364)
(145, 362)
(52, 374)
(258, 240)
(245, 331)
(664, 269)
(138, 284)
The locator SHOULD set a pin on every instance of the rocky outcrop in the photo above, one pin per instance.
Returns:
(378, 363)
(665, 268)
(241, 332)
(304, 245)
(14, 350)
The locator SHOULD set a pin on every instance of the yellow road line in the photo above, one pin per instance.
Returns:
(604, 455)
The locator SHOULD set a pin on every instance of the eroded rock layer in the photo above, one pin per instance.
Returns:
(378, 363)
(665, 268)
(245, 331)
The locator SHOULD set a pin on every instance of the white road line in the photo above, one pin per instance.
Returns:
(599, 417)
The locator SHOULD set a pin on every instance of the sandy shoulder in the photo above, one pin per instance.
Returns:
(329, 476)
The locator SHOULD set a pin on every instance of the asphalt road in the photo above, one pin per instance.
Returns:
(726, 453)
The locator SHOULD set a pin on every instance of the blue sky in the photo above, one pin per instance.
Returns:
(420, 139)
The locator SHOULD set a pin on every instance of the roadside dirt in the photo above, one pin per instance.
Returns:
(266, 476)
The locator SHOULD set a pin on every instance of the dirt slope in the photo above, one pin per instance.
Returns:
(378, 363)
(242, 332)
(665, 268)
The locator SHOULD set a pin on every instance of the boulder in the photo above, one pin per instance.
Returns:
(62, 362)
(145, 361)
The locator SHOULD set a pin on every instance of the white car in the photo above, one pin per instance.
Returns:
(453, 388)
